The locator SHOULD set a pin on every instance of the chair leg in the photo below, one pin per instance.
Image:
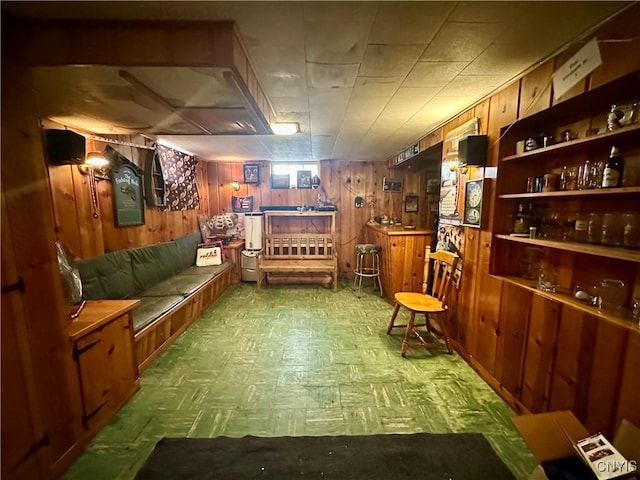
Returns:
(407, 334)
(445, 334)
(393, 318)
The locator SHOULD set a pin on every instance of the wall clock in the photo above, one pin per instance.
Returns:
(473, 203)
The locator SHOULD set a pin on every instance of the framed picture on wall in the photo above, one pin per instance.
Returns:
(411, 203)
(304, 179)
(280, 180)
(472, 203)
(392, 184)
(251, 173)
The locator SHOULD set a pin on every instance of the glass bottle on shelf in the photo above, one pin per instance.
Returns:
(522, 220)
(613, 170)
(581, 227)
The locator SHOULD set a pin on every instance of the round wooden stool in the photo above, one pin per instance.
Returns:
(367, 269)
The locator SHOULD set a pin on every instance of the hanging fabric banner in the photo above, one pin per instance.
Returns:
(179, 172)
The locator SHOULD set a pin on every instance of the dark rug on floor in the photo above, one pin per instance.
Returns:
(416, 456)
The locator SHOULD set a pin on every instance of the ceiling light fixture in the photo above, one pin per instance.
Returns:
(282, 128)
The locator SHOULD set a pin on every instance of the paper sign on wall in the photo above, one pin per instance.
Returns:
(576, 68)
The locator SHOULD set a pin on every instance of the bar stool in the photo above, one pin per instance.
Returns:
(370, 271)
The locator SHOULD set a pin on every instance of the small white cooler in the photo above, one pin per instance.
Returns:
(249, 265)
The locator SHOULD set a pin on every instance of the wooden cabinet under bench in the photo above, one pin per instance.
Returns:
(102, 338)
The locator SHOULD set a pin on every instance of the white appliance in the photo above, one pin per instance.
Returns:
(253, 227)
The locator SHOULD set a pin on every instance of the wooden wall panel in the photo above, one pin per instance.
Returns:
(574, 355)
(515, 306)
(604, 377)
(628, 399)
(535, 90)
(487, 323)
(540, 353)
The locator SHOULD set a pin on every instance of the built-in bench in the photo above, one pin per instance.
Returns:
(173, 292)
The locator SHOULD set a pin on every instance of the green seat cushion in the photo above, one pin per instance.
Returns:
(150, 308)
(368, 248)
(177, 285)
(187, 248)
(212, 270)
(153, 264)
(107, 277)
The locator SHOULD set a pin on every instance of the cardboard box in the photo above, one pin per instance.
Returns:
(552, 437)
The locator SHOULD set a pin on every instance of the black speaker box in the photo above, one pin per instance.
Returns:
(472, 150)
(65, 147)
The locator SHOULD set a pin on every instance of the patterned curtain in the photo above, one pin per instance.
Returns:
(179, 172)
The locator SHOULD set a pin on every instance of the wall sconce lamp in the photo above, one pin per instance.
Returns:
(96, 159)
(235, 185)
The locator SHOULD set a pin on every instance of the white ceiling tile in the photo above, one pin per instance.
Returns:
(364, 109)
(491, 12)
(433, 74)
(335, 12)
(415, 23)
(336, 42)
(458, 41)
(471, 86)
(389, 60)
(322, 75)
(376, 87)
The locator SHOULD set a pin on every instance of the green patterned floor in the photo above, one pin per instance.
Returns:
(298, 360)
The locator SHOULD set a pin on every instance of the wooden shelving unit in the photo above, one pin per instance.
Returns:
(578, 144)
(588, 249)
(572, 193)
(564, 296)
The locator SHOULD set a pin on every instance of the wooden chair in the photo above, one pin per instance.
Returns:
(433, 306)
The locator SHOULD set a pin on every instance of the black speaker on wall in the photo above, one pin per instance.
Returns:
(64, 147)
(472, 151)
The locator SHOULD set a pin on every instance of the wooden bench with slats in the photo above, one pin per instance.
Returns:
(298, 254)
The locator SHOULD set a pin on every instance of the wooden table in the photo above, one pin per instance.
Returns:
(233, 250)
(102, 338)
(402, 257)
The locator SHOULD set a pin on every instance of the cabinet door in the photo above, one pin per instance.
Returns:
(106, 370)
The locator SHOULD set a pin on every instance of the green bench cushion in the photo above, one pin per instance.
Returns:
(107, 277)
(150, 308)
(187, 248)
(153, 264)
(177, 285)
(213, 270)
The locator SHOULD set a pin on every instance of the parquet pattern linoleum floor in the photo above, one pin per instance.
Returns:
(298, 360)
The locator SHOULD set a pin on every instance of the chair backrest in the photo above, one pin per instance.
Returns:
(439, 269)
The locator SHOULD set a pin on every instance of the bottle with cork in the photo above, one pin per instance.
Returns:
(613, 170)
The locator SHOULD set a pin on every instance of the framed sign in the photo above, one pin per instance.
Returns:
(251, 173)
(411, 203)
(390, 184)
(472, 203)
(280, 181)
(242, 204)
(127, 196)
(304, 179)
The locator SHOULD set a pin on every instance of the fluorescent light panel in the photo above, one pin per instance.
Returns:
(282, 128)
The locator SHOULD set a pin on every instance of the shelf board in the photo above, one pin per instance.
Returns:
(607, 137)
(573, 193)
(598, 250)
(565, 297)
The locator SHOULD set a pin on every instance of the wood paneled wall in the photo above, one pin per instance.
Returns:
(87, 236)
(342, 182)
(540, 355)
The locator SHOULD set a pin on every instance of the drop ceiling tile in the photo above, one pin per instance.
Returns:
(265, 23)
(491, 12)
(219, 147)
(458, 41)
(284, 105)
(322, 75)
(334, 12)
(322, 146)
(325, 98)
(336, 42)
(375, 87)
(389, 60)
(445, 107)
(471, 86)
(282, 71)
(414, 23)
(504, 59)
(433, 74)
(364, 109)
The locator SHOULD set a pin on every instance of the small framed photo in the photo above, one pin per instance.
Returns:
(251, 173)
(392, 184)
(411, 203)
(304, 179)
(280, 181)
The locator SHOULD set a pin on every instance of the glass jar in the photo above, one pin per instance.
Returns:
(547, 279)
(611, 230)
(612, 294)
(522, 220)
(580, 227)
(594, 228)
(631, 230)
